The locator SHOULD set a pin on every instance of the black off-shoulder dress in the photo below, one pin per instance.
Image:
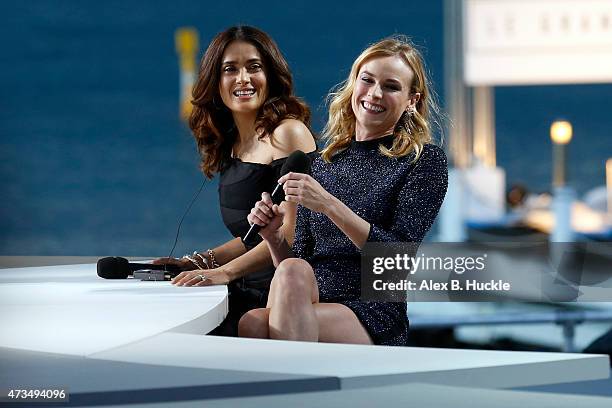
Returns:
(399, 199)
(240, 187)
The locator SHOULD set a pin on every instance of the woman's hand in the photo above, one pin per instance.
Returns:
(268, 216)
(202, 277)
(183, 263)
(306, 191)
(303, 189)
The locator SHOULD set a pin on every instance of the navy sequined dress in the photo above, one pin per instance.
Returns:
(399, 199)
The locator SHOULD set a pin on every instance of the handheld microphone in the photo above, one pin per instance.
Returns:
(297, 162)
(115, 267)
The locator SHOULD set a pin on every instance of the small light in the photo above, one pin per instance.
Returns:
(561, 132)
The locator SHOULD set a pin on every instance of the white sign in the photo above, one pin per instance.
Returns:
(513, 42)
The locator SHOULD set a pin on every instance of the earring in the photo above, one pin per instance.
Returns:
(410, 113)
(276, 110)
(404, 123)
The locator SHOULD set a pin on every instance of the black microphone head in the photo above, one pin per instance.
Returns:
(113, 267)
(297, 162)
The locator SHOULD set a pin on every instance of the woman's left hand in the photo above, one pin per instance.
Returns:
(201, 277)
(303, 189)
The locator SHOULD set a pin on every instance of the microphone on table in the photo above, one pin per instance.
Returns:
(115, 267)
(297, 162)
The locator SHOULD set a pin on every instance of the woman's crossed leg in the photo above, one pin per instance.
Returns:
(293, 311)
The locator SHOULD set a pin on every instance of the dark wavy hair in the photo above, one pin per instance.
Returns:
(211, 121)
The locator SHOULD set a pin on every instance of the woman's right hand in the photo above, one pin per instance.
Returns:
(183, 263)
(268, 216)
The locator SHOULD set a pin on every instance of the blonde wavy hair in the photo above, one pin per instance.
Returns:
(412, 131)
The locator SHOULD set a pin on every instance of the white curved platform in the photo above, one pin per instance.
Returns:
(142, 342)
(70, 310)
(364, 366)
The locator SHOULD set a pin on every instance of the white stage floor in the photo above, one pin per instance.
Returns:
(132, 342)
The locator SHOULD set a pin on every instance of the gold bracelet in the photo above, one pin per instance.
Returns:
(193, 261)
(213, 261)
(203, 258)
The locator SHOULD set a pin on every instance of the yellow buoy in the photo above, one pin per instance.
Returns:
(187, 47)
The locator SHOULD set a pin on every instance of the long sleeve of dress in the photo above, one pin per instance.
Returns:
(419, 200)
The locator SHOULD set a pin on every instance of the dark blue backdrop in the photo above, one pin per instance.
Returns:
(94, 160)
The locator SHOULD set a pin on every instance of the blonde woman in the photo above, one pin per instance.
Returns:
(379, 179)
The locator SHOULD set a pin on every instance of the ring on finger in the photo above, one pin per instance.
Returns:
(202, 277)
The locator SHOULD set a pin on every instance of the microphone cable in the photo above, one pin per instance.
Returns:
(178, 230)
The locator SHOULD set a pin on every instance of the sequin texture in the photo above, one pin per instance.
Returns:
(400, 199)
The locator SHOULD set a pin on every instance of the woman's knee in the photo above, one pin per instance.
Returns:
(293, 265)
(294, 275)
(254, 324)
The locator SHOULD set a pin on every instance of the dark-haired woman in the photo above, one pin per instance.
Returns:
(246, 121)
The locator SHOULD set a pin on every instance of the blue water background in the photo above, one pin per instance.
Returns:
(93, 157)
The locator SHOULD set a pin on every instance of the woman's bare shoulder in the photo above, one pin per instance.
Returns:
(291, 135)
